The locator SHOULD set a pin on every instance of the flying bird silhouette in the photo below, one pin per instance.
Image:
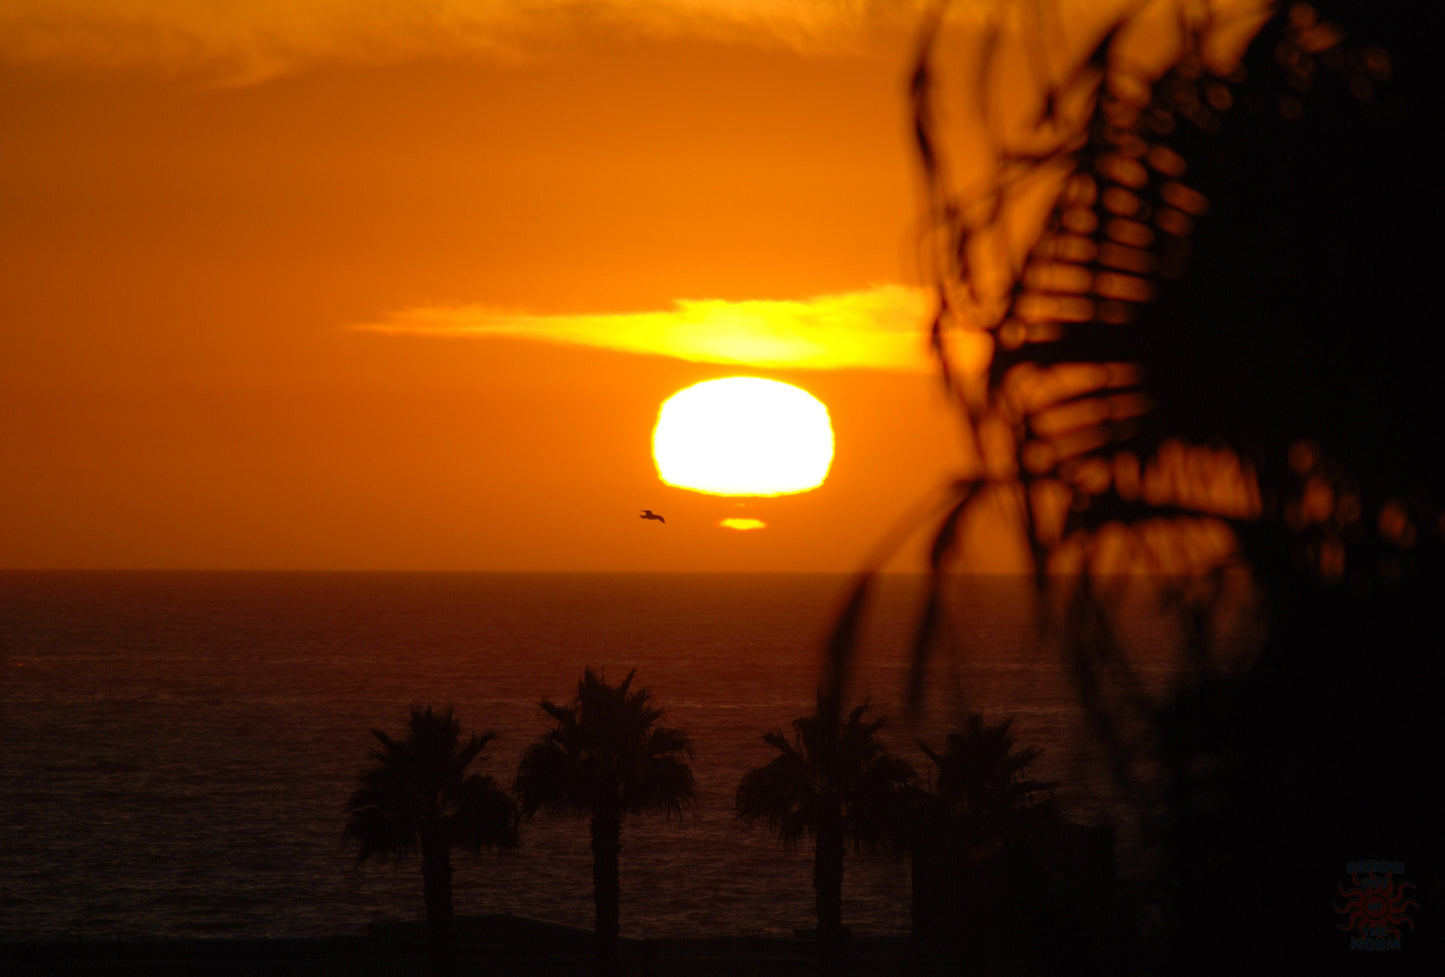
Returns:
(649, 514)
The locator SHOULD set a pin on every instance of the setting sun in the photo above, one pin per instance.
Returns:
(743, 436)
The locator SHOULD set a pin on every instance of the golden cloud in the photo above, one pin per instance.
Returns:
(882, 328)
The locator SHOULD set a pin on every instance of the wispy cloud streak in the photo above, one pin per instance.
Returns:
(881, 328)
(251, 40)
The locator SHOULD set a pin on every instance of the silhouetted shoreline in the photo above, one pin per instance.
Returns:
(503, 945)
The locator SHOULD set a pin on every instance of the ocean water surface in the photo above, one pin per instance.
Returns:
(176, 748)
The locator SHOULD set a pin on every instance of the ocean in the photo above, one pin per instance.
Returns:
(176, 748)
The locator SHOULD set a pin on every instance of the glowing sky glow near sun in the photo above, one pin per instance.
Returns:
(742, 524)
(743, 436)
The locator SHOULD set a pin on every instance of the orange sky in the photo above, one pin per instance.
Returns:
(386, 285)
(219, 238)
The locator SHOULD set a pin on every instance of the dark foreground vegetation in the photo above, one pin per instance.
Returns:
(1215, 356)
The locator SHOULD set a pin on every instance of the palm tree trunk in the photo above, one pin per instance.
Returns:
(436, 871)
(606, 888)
(828, 892)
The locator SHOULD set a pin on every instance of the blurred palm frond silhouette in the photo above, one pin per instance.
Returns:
(1217, 325)
(1212, 356)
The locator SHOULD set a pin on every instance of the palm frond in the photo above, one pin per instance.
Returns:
(606, 747)
(418, 787)
(833, 767)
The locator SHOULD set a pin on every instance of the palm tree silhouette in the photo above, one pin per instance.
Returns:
(980, 803)
(836, 783)
(418, 796)
(606, 757)
(982, 790)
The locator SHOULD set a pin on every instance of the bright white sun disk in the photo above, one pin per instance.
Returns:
(743, 436)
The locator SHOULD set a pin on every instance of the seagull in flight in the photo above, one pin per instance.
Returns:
(649, 514)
